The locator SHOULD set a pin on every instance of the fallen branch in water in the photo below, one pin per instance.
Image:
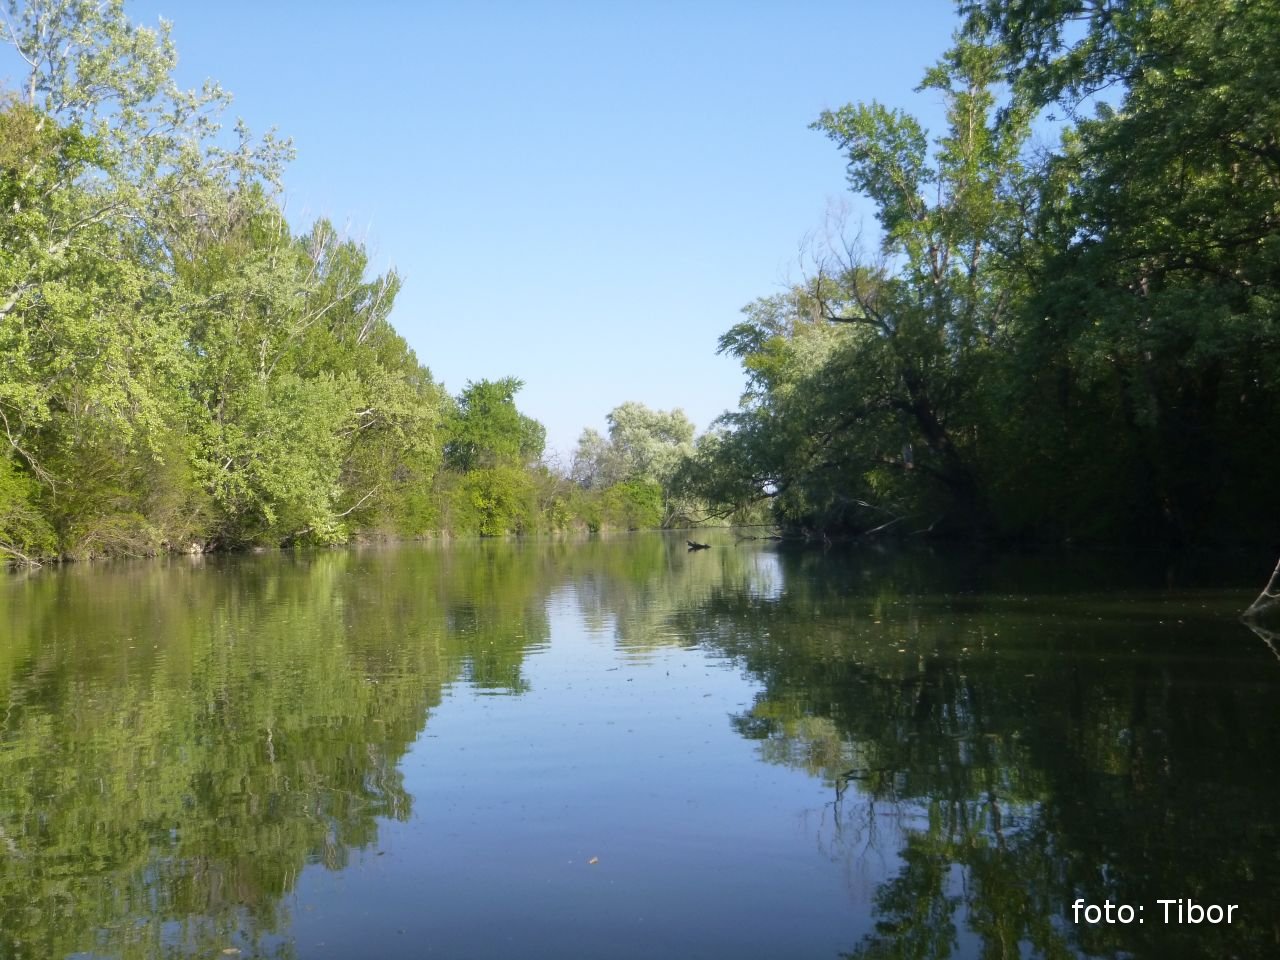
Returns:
(17, 556)
(883, 526)
(1269, 596)
(1269, 637)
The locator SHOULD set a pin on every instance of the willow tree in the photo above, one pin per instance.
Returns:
(636, 466)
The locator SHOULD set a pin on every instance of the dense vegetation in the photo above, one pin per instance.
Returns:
(1049, 343)
(1076, 342)
(179, 369)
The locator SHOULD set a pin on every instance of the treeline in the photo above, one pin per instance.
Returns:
(1079, 341)
(180, 370)
(1070, 342)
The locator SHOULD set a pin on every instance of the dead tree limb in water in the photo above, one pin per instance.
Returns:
(1269, 637)
(1269, 596)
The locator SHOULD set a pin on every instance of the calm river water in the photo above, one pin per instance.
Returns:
(620, 749)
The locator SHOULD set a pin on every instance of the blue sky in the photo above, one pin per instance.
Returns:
(582, 195)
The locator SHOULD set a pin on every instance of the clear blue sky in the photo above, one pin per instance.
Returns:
(583, 194)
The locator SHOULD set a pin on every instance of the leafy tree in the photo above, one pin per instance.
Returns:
(592, 467)
(636, 466)
(100, 148)
(492, 452)
(634, 505)
(310, 407)
(497, 500)
(487, 429)
(648, 444)
(179, 368)
(24, 531)
(103, 154)
(1154, 254)
(887, 412)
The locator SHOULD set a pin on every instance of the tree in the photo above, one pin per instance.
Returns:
(492, 451)
(104, 162)
(105, 152)
(1155, 254)
(486, 429)
(648, 444)
(179, 369)
(637, 465)
(310, 409)
(888, 411)
(591, 467)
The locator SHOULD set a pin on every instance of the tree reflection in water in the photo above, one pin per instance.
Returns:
(1018, 748)
(179, 741)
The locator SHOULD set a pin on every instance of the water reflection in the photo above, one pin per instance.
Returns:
(179, 742)
(1025, 750)
(979, 742)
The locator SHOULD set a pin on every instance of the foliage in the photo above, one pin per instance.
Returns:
(1117, 295)
(486, 429)
(634, 472)
(495, 501)
(865, 393)
(24, 531)
(180, 369)
(1155, 246)
(492, 453)
(633, 504)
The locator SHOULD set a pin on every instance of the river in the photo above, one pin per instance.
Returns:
(617, 748)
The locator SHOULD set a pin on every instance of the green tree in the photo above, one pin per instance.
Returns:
(648, 444)
(103, 158)
(487, 429)
(493, 483)
(592, 465)
(180, 369)
(888, 412)
(311, 410)
(1154, 255)
(636, 466)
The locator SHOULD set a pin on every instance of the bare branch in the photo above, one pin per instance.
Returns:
(44, 475)
(1269, 596)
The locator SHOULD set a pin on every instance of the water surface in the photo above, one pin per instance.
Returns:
(620, 749)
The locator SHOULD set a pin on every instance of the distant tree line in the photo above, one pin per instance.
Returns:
(1079, 341)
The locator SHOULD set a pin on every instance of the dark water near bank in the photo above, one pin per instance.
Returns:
(619, 749)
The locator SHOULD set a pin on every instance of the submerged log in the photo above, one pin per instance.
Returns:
(697, 546)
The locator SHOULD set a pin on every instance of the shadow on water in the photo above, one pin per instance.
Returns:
(1023, 732)
(999, 735)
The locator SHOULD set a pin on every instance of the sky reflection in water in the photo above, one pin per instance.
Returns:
(420, 751)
